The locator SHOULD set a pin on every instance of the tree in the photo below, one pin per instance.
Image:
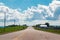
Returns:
(47, 24)
(24, 25)
(38, 25)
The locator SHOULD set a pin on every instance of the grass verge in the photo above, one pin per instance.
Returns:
(11, 29)
(57, 31)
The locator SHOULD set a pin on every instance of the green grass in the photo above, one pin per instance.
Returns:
(11, 29)
(57, 31)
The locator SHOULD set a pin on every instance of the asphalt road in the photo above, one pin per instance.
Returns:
(30, 34)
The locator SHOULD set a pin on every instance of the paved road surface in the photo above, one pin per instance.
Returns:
(30, 34)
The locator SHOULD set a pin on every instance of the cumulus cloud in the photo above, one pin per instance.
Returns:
(43, 11)
(1, 15)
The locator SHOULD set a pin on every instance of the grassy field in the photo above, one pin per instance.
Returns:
(9, 29)
(57, 31)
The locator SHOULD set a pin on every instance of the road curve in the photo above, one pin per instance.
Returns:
(30, 34)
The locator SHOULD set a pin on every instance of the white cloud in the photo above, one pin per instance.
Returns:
(54, 5)
(56, 22)
(56, 0)
(1, 16)
(45, 11)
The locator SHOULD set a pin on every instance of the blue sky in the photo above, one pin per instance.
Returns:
(30, 11)
(24, 4)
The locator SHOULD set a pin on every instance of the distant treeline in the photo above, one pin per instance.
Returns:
(48, 26)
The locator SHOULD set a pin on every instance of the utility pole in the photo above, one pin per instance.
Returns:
(14, 21)
(14, 17)
(4, 20)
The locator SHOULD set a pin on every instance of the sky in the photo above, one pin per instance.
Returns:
(24, 4)
(30, 12)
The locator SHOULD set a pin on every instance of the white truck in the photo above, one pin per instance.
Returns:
(43, 26)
